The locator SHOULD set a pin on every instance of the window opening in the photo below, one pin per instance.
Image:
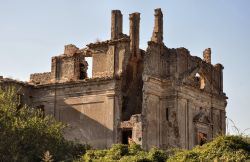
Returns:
(201, 80)
(90, 66)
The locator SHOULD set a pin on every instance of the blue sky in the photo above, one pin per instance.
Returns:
(31, 32)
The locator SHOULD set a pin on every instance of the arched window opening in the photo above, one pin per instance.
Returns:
(197, 75)
(201, 80)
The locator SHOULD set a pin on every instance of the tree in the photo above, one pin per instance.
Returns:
(25, 134)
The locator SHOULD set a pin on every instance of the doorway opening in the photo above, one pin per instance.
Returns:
(126, 136)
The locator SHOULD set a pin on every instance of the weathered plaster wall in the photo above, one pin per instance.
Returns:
(87, 107)
(170, 112)
(182, 95)
(103, 63)
(193, 97)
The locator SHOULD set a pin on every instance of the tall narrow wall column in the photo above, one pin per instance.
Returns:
(116, 24)
(55, 69)
(134, 33)
(157, 35)
(207, 55)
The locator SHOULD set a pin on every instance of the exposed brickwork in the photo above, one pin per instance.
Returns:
(40, 78)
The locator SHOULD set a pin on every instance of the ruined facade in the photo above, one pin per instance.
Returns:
(161, 97)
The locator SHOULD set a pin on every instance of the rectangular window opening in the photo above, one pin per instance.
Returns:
(90, 66)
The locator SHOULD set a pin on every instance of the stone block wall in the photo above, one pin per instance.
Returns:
(103, 63)
(69, 68)
(41, 78)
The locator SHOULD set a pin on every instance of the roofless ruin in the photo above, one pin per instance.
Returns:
(162, 97)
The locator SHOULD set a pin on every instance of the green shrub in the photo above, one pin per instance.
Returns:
(25, 134)
(117, 151)
(92, 155)
(157, 155)
(223, 148)
(134, 148)
(142, 157)
(124, 153)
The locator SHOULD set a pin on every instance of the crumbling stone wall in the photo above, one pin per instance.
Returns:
(40, 78)
(182, 95)
(68, 68)
(135, 125)
(110, 57)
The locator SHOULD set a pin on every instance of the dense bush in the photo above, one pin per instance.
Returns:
(125, 153)
(25, 135)
(222, 148)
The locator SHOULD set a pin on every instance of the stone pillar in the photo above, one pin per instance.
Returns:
(54, 69)
(116, 24)
(134, 33)
(207, 55)
(157, 35)
(220, 68)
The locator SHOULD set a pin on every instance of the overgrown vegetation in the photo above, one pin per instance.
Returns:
(25, 134)
(124, 153)
(222, 148)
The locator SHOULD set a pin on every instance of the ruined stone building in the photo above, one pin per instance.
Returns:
(161, 96)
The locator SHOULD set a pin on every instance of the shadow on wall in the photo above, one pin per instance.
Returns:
(85, 125)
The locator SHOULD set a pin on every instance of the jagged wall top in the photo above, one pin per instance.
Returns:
(157, 35)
